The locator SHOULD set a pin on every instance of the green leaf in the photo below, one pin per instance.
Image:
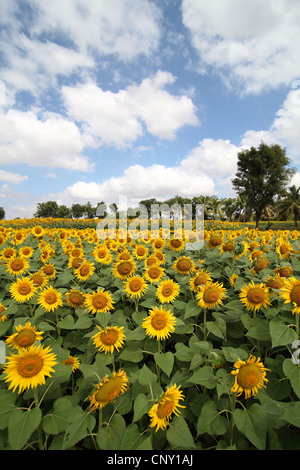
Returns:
(292, 415)
(141, 406)
(165, 361)
(204, 376)
(83, 322)
(292, 371)
(281, 333)
(21, 425)
(66, 323)
(179, 435)
(217, 328)
(260, 330)
(132, 353)
(252, 423)
(7, 400)
(57, 421)
(210, 421)
(79, 425)
(183, 353)
(109, 437)
(146, 377)
(131, 438)
(191, 309)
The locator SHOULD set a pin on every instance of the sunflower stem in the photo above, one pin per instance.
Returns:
(204, 325)
(36, 400)
(231, 423)
(297, 324)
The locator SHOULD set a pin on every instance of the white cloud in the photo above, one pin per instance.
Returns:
(253, 43)
(10, 177)
(50, 142)
(116, 118)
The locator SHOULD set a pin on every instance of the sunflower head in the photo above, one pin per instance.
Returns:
(211, 295)
(159, 324)
(255, 296)
(109, 339)
(135, 286)
(99, 301)
(109, 390)
(50, 299)
(162, 412)
(291, 293)
(124, 268)
(167, 291)
(75, 298)
(250, 376)
(184, 265)
(25, 336)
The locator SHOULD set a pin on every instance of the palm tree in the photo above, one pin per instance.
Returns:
(291, 203)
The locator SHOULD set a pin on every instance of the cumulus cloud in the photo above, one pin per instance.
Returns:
(118, 118)
(49, 142)
(10, 177)
(253, 43)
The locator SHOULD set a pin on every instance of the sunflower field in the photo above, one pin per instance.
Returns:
(143, 344)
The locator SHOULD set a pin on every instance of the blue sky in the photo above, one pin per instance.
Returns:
(141, 98)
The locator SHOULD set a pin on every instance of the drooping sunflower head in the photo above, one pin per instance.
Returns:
(260, 264)
(25, 336)
(75, 298)
(250, 376)
(284, 271)
(184, 265)
(50, 299)
(109, 339)
(135, 286)
(161, 412)
(255, 296)
(167, 291)
(29, 367)
(22, 290)
(99, 301)
(109, 390)
(211, 295)
(159, 323)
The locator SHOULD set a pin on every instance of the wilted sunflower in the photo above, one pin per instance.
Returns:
(22, 290)
(109, 339)
(135, 286)
(50, 299)
(250, 376)
(72, 361)
(167, 291)
(124, 268)
(159, 323)
(291, 293)
(255, 296)
(25, 336)
(109, 390)
(99, 301)
(161, 412)
(211, 295)
(75, 298)
(154, 273)
(184, 265)
(17, 266)
(84, 271)
(29, 367)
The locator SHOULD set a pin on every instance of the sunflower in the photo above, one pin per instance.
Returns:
(184, 265)
(109, 339)
(215, 241)
(284, 271)
(259, 264)
(75, 263)
(250, 376)
(232, 279)
(158, 244)
(50, 299)
(29, 367)
(26, 251)
(22, 290)
(291, 293)
(255, 296)
(8, 253)
(72, 361)
(159, 323)
(167, 291)
(39, 279)
(154, 273)
(140, 252)
(283, 248)
(176, 244)
(85, 270)
(124, 268)
(99, 301)
(201, 278)
(25, 336)
(102, 254)
(135, 286)
(211, 295)
(161, 412)
(275, 282)
(17, 266)
(109, 390)
(75, 298)
(3, 316)
(37, 231)
(49, 271)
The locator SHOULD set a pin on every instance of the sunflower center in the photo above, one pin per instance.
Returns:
(76, 262)
(37, 280)
(165, 409)
(175, 243)
(109, 337)
(84, 270)
(99, 301)
(153, 273)
(199, 281)
(211, 295)
(17, 265)
(255, 296)
(215, 241)
(158, 322)
(25, 338)
(140, 251)
(24, 289)
(76, 299)
(228, 246)
(135, 286)
(29, 366)
(295, 294)
(284, 248)
(184, 265)
(48, 270)
(50, 298)
(167, 290)
(248, 376)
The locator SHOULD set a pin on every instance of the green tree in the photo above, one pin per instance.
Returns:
(262, 175)
(77, 210)
(46, 209)
(63, 212)
(290, 203)
(2, 213)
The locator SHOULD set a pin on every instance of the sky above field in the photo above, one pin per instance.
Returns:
(141, 98)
